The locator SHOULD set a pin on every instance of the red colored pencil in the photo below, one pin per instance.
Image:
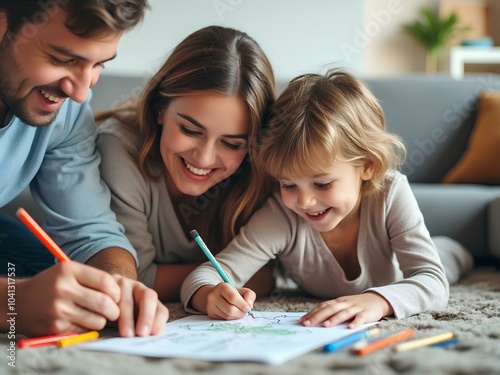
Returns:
(386, 341)
(43, 340)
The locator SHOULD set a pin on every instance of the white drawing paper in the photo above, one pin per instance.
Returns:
(272, 337)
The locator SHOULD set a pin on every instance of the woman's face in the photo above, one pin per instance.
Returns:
(204, 140)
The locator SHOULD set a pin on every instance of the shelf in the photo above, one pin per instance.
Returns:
(459, 56)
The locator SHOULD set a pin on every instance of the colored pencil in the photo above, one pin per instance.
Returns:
(41, 235)
(386, 341)
(444, 344)
(423, 342)
(214, 262)
(349, 340)
(88, 336)
(43, 340)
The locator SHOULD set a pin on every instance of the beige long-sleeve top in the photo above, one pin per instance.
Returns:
(142, 206)
(397, 256)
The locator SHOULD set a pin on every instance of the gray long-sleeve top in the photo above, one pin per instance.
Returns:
(397, 257)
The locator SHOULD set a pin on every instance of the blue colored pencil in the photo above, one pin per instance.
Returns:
(214, 262)
(349, 340)
(444, 343)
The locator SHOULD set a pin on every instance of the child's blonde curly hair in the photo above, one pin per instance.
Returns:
(320, 119)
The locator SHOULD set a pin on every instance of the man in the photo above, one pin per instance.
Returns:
(51, 54)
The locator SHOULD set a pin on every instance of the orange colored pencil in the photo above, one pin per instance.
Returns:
(41, 235)
(386, 341)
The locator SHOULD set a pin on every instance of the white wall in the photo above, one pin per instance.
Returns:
(297, 35)
(389, 51)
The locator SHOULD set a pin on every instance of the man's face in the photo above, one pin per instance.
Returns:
(45, 64)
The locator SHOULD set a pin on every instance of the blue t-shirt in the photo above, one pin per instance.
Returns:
(60, 162)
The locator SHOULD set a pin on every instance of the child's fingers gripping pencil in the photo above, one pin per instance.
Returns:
(214, 262)
(41, 235)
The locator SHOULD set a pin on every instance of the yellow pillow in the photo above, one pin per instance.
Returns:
(479, 163)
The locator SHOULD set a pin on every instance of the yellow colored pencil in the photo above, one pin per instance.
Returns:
(88, 336)
(423, 342)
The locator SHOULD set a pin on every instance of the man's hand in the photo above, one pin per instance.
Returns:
(68, 297)
(135, 297)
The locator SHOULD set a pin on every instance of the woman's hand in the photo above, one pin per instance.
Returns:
(360, 308)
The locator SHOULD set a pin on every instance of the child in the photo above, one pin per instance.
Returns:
(346, 227)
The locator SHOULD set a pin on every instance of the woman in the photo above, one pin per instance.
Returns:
(180, 157)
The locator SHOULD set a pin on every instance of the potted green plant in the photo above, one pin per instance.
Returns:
(434, 33)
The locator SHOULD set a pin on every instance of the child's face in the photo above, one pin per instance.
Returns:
(204, 140)
(325, 200)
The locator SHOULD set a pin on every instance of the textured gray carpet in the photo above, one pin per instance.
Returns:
(473, 314)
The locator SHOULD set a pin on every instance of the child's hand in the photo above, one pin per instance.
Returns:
(223, 302)
(362, 308)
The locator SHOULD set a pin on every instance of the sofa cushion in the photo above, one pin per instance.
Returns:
(434, 114)
(460, 212)
(479, 163)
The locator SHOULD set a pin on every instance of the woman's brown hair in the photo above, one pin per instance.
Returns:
(219, 60)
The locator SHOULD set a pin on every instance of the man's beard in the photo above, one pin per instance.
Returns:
(14, 104)
(17, 108)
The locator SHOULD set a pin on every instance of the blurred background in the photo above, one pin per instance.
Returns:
(299, 36)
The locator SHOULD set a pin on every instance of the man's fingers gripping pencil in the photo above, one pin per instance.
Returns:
(41, 235)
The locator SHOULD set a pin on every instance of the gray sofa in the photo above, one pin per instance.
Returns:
(414, 106)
